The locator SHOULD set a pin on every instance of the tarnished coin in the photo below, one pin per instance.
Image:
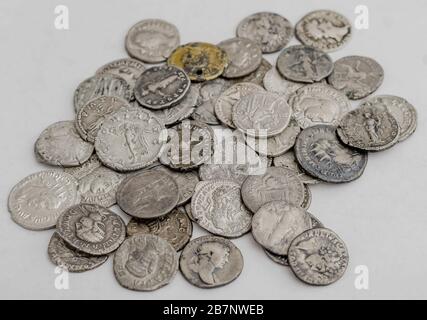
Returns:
(270, 30)
(258, 75)
(61, 145)
(209, 262)
(277, 223)
(128, 69)
(277, 184)
(145, 262)
(325, 30)
(37, 201)
(70, 259)
(370, 127)
(357, 77)
(304, 64)
(245, 57)
(280, 259)
(289, 161)
(307, 198)
(227, 100)
(218, 208)
(262, 114)
(274, 82)
(318, 104)
(91, 229)
(152, 40)
(201, 61)
(175, 227)
(91, 116)
(129, 139)
(148, 194)
(323, 155)
(318, 257)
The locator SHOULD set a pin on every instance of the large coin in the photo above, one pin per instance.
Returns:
(218, 208)
(91, 229)
(289, 161)
(318, 257)
(258, 75)
(304, 64)
(145, 262)
(36, 202)
(128, 69)
(270, 30)
(274, 82)
(209, 262)
(152, 40)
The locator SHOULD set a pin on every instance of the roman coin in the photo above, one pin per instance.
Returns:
(128, 69)
(289, 161)
(258, 75)
(85, 168)
(274, 82)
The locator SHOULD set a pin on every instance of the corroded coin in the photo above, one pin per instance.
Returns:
(201, 61)
(91, 229)
(258, 75)
(70, 259)
(289, 161)
(274, 82)
(318, 257)
(209, 262)
(145, 262)
(304, 64)
(152, 40)
(323, 155)
(270, 30)
(128, 69)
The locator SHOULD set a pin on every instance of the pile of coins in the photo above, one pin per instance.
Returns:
(117, 151)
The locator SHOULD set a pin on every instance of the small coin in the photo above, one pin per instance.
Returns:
(357, 77)
(91, 229)
(274, 82)
(318, 257)
(210, 262)
(201, 61)
(258, 75)
(175, 227)
(145, 262)
(128, 69)
(245, 57)
(152, 40)
(307, 198)
(325, 30)
(304, 64)
(70, 259)
(270, 30)
(289, 161)
(85, 168)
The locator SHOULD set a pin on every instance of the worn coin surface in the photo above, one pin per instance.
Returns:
(323, 155)
(85, 168)
(70, 259)
(209, 262)
(318, 104)
(318, 257)
(91, 229)
(258, 75)
(152, 40)
(128, 69)
(270, 30)
(145, 262)
(304, 64)
(277, 223)
(201, 61)
(277, 184)
(274, 82)
(245, 57)
(289, 161)
(323, 29)
(357, 77)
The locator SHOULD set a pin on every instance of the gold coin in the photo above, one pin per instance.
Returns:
(201, 61)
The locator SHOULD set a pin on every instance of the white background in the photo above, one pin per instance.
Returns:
(382, 217)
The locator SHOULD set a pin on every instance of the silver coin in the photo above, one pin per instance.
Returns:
(152, 40)
(128, 69)
(318, 104)
(175, 227)
(262, 114)
(37, 201)
(91, 116)
(277, 184)
(274, 82)
(289, 161)
(277, 223)
(325, 30)
(304, 64)
(91, 229)
(282, 260)
(318, 257)
(258, 75)
(61, 145)
(270, 30)
(357, 77)
(129, 139)
(218, 208)
(307, 198)
(229, 98)
(323, 155)
(70, 259)
(210, 262)
(187, 208)
(145, 262)
(245, 57)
